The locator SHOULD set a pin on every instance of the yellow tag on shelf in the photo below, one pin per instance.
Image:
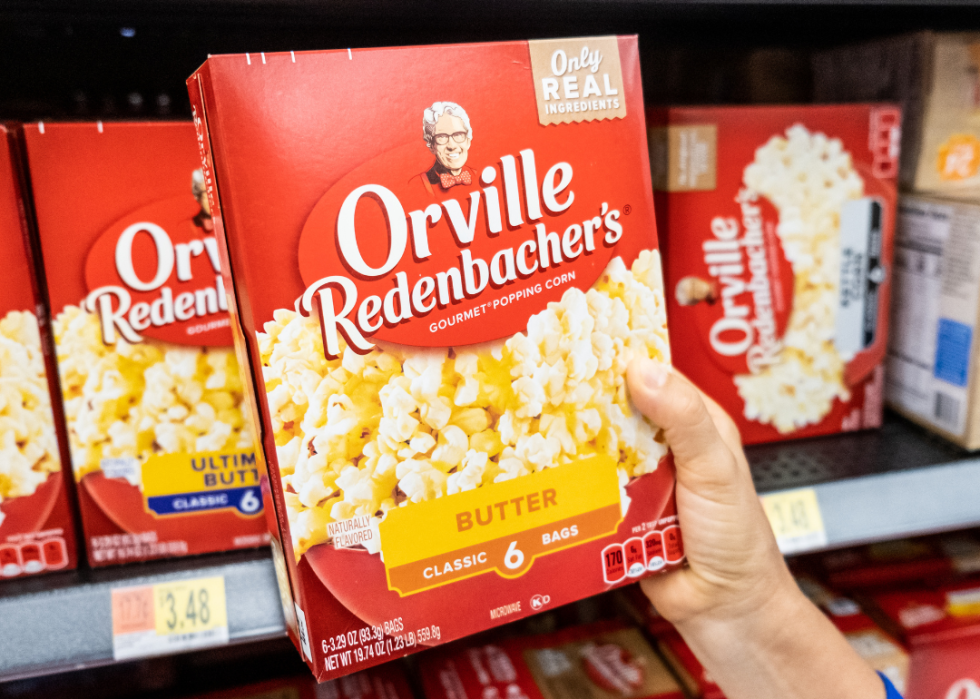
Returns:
(795, 519)
(168, 617)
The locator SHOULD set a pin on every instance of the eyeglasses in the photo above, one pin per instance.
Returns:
(443, 138)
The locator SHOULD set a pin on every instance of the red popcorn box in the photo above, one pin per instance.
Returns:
(941, 627)
(696, 680)
(932, 559)
(162, 453)
(382, 682)
(872, 643)
(439, 330)
(778, 227)
(36, 525)
(605, 659)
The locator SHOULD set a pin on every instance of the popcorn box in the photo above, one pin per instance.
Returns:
(941, 627)
(871, 642)
(778, 226)
(383, 682)
(597, 661)
(689, 670)
(441, 328)
(934, 76)
(900, 562)
(36, 522)
(161, 450)
(932, 353)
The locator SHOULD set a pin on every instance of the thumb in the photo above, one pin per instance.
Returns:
(670, 401)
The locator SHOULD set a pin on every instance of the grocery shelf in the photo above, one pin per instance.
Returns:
(63, 622)
(875, 485)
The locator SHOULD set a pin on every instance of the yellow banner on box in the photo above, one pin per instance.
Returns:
(178, 484)
(500, 527)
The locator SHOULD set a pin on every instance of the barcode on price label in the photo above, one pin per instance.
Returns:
(168, 617)
(795, 519)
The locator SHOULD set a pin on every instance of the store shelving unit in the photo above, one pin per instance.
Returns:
(72, 59)
(871, 486)
(876, 485)
(63, 622)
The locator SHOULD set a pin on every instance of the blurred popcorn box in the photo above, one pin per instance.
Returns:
(161, 448)
(932, 352)
(778, 226)
(940, 625)
(37, 532)
(604, 659)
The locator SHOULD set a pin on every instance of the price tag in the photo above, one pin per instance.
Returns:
(795, 519)
(168, 617)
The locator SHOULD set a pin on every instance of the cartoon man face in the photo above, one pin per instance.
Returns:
(450, 142)
(691, 291)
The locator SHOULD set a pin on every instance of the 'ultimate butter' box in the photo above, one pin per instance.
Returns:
(36, 524)
(160, 447)
(441, 276)
(777, 225)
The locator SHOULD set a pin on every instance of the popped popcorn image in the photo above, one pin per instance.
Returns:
(362, 434)
(28, 446)
(137, 400)
(808, 177)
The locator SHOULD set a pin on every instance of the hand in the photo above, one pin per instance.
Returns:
(735, 567)
(736, 604)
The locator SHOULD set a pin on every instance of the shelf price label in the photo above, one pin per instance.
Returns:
(795, 519)
(169, 617)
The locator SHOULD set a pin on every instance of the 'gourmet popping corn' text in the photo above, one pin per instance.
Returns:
(361, 434)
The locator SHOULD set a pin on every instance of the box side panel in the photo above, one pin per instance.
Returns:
(37, 528)
(284, 572)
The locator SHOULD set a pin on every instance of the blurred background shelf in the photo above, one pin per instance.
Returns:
(123, 59)
(63, 622)
(877, 485)
(871, 486)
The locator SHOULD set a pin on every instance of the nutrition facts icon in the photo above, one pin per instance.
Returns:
(613, 563)
(635, 556)
(653, 545)
(32, 557)
(635, 559)
(673, 544)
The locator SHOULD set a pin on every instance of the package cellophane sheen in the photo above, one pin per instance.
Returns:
(779, 227)
(36, 525)
(161, 450)
(444, 259)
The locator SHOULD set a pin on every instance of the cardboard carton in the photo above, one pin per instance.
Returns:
(778, 226)
(439, 282)
(161, 448)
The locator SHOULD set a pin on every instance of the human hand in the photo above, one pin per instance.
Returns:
(734, 565)
(736, 604)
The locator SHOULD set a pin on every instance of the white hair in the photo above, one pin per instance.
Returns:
(197, 182)
(431, 115)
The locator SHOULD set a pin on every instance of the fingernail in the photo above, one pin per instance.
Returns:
(655, 373)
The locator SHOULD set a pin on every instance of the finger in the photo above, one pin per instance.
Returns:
(723, 421)
(675, 404)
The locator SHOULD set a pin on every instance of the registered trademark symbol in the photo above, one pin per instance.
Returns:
(627, 209)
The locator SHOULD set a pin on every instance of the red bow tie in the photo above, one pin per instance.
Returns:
(449, 180)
